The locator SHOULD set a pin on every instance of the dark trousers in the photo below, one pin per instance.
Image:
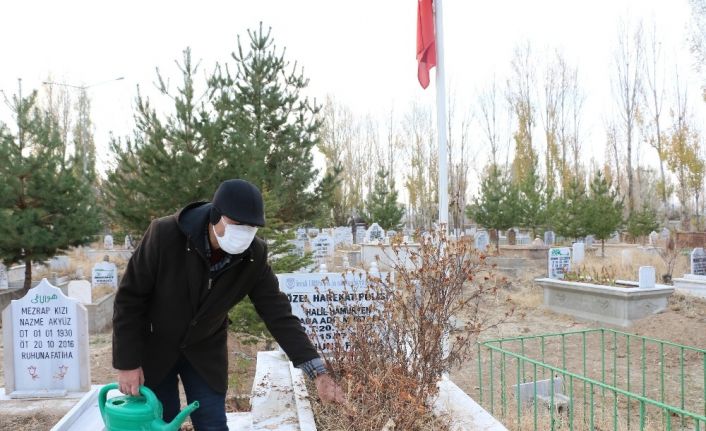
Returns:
(211, 414)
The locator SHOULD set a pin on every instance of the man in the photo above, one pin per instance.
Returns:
(170, 318)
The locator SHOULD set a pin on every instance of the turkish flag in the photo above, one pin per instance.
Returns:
(426, 43)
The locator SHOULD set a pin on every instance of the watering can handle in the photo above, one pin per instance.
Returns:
(103, 394)
(144, 391)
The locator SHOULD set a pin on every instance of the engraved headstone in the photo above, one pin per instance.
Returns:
(578, 251)
(549, 237)
(654, 236)
(322, 246)
(299, 246)
(46, 344)
(4, 282)
(104, 274)
(374, 233)
(559, 262)
(646, 277)
(698, 261)
(80, 290)
(301, 234)
(108, 242)
(481, 240)
(312, 294)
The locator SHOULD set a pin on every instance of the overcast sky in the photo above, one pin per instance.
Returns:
(362, 52)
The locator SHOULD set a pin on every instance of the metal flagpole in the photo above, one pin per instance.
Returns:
(441, 116)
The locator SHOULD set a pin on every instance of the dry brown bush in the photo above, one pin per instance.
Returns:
(389, 363)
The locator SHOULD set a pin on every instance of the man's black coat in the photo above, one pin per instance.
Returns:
(167, 306)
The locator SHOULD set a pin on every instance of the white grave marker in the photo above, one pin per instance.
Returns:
(301, 234)
(322, 246)
(559, 262)
(646, 277)
(105, 274)
(80, 290)
(46, 344)
(654, 236)
(4, 282)
(108, 242)
(128, 243)
(374, 233)
(481, 240)
(590, 239)
(578, 251)
(626, 257)
(312, 300)
(549, 237)
(698, 261)
(343, 235)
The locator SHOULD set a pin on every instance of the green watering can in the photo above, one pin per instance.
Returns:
(141, 413)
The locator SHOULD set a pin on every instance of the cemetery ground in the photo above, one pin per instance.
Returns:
(683, 322)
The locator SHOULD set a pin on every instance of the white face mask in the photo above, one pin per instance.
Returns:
(236, 238)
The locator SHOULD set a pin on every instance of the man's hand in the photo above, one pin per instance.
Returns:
(129, 381)
(328, 390)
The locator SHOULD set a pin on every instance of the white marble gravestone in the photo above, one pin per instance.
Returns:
(698, 261)
(578, 251)
(108, 242)
(80, 290)
(128, 243)
(315, 296)
(343, 235)
(301, 234)
(374, 233)
(105, 274)
(549, 237)
(558, 262)
(626, 257)
(654, 236)
(590, 239)
(322, 246)
(46, 344)
(4, 283)
(482, 240)
(646, 277)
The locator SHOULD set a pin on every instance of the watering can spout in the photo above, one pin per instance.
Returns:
(175, 424)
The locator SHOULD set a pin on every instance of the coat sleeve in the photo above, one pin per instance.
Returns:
(132, 301)
(275, 310)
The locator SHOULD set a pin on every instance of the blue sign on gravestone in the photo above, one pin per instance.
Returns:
(559, 262)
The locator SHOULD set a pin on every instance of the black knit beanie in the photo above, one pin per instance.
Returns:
(239, 200)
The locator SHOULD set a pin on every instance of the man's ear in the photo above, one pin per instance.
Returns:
(215, 215)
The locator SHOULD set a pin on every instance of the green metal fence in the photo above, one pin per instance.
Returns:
(598, 379)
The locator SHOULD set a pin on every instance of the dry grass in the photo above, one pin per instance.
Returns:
(628, 270)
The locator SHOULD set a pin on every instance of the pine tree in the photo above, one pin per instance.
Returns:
(269, 128)
(603, 210)
(497, 207)
(168, 163)
(642, 223)
(532, 202)
(569, 218)
(46, 206)
(382, 207)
